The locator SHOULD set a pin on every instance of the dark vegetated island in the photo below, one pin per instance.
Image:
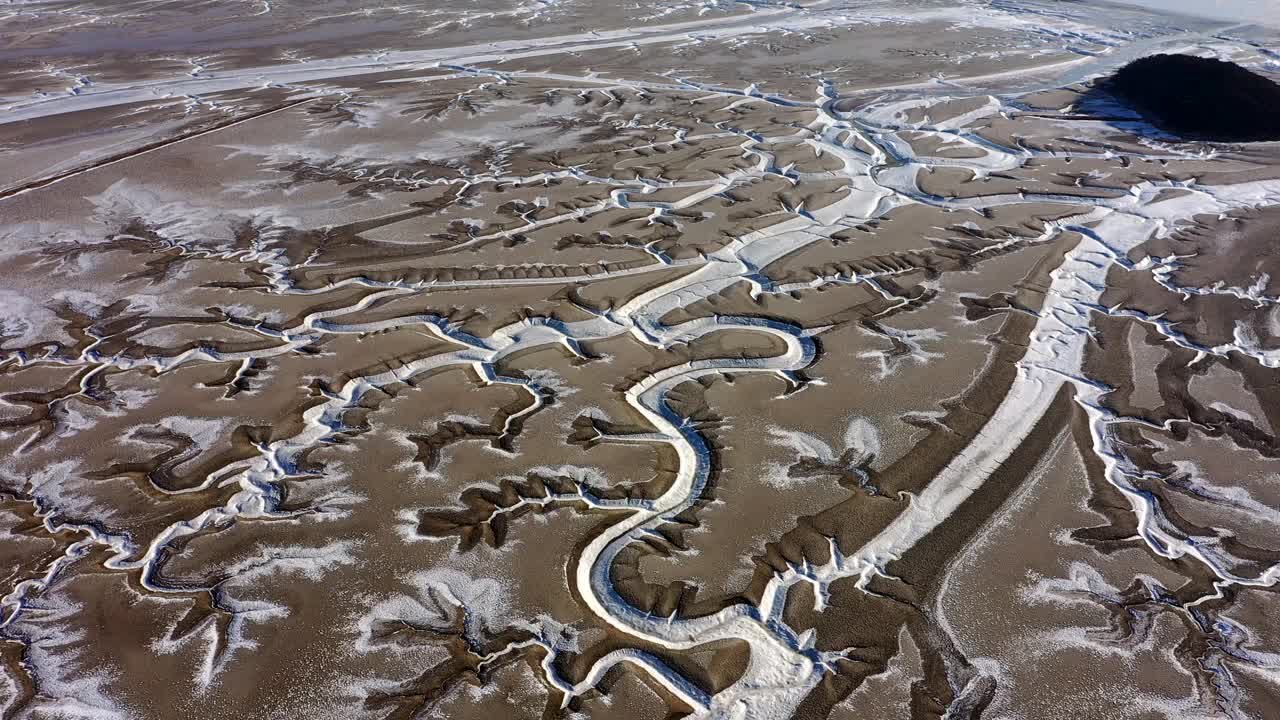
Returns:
(1200, 98)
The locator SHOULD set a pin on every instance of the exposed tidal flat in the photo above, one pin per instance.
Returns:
(569, 360)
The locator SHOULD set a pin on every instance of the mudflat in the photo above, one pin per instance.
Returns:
(559, 359)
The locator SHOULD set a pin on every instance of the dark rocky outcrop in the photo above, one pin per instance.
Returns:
(1200, 98)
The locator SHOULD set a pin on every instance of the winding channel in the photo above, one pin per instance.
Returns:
(783, 666)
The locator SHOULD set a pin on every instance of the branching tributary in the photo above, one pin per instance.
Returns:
(879, 170)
